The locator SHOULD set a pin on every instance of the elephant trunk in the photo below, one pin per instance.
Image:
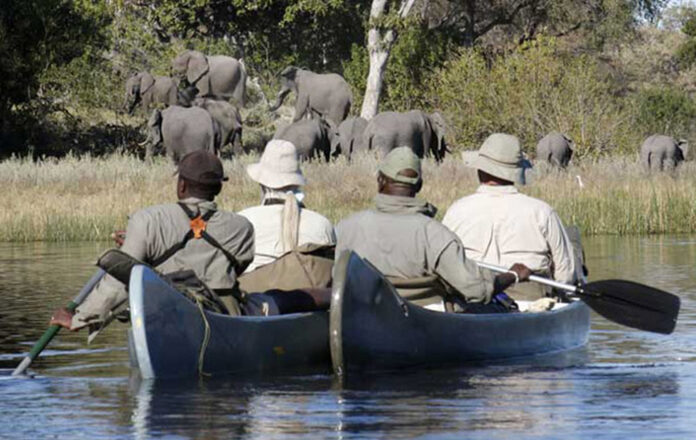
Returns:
(280, 98)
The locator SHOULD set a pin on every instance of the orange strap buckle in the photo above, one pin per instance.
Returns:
(198, 226)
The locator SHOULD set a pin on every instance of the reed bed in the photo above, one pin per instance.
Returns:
(86, 198)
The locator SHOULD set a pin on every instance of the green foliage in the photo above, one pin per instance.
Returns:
(689, 26)
(665, 110)
(42, 33)
(417, 53)
(530, 92)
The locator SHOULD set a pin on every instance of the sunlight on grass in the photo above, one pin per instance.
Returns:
(85, 198)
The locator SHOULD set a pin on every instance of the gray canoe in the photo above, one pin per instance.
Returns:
(167, 333)
(372, 328)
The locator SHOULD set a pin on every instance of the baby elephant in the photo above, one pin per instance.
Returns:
(311, 137)
(147, 89)
(350, 137)
(555, 148)
(660, 152)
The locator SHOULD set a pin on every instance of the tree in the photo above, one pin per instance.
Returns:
(380, 39)
(40, 33)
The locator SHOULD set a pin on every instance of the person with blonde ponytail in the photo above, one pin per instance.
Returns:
(282, 223)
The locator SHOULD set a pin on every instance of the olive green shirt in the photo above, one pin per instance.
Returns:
(154, 230)
(402, 240)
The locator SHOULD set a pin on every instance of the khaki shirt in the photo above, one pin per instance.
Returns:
(154, 230)
(499, 225)
(402, 242)
(267, 220)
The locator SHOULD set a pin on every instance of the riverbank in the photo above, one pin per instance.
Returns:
(85, 198)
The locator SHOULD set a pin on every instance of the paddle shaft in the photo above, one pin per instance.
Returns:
(53, 330)
(535, 278)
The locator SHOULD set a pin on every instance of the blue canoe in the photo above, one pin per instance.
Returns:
(373, 328)
(167, 333)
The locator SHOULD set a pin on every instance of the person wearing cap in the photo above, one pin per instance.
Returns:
(157, 235)
(400, 237)
(498, 225)
(281, 222)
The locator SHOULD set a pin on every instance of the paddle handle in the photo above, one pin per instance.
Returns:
(534, 278)
(53, 330)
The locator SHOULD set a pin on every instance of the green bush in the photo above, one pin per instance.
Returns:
(664, 110)
(416, 54)
(530, 92)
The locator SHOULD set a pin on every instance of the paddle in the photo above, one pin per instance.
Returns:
(53, 330)
(624, 302)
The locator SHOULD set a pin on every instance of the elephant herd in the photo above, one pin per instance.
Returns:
(203, 98)
(202, 112)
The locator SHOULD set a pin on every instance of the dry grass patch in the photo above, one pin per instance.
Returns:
(85, 198)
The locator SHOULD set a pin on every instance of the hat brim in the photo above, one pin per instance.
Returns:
(273, 179)
(515, 174)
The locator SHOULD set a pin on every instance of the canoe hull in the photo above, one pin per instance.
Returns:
(168, 331)
(372, 328)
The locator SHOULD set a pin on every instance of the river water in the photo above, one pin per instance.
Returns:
(625, 384)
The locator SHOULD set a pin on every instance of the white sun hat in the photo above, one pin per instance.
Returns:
(279, 166)
(500, 156)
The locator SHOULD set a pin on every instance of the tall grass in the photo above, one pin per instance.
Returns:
(86, 198)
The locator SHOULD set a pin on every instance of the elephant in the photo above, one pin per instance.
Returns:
(327, 95)
(421, 132)
(228, 119)
(350, 137)
(311, 137)
(555, 148)
(217, 76)
(147, 89)
(182, 130)
(660, 152)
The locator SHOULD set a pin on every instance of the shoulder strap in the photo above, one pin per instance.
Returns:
(198, 224)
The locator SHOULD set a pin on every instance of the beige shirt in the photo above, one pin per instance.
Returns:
(154, 230)
(401, 241)
(267, 220)
(499, 225)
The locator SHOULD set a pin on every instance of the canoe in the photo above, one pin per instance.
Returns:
(167, 333)
(373, 328)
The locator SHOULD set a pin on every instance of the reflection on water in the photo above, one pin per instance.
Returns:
(625, 384)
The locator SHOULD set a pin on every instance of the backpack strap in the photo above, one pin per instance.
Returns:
(197, 231)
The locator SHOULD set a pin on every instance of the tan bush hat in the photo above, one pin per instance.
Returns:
(500, 156)
(279, 166)
(400, 159)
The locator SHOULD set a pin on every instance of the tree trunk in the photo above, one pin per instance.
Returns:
(379, 44)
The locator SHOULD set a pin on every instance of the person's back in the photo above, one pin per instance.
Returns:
(314, 228)
(499, 225)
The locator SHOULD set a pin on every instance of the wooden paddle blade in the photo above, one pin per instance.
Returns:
(633, 304)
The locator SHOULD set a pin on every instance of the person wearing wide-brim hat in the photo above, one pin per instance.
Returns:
(499, 225)
(281, 222)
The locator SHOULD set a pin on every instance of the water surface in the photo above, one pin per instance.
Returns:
(624, 384)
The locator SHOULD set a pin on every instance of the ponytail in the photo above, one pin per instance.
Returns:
(290, 225)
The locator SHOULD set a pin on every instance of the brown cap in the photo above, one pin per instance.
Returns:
(202, 167)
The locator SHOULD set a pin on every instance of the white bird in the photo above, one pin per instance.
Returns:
(580, 184)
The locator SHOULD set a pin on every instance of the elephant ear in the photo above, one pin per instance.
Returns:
(439, 127)
(197, 67)
(146, 82)
(289, 73)
(155, 124)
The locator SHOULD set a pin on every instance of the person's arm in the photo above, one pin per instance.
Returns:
(468, 280)
(109, 293)
(561, 250)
